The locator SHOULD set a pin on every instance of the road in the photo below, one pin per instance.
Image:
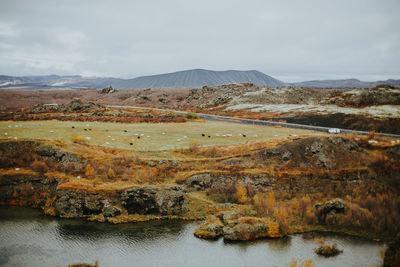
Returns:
(258, 122)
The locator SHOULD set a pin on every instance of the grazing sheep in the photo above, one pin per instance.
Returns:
(51, 131)
(5, 133)
(244, 135)
(125, 131)
(85, 129)
(163, 133)
(203, 135)
(73, 127)
(106, 130)
(90, 129)
(138, 137)
(112, 139)
(131, 144)
(185, 136)
(178, 140)
(209, 136)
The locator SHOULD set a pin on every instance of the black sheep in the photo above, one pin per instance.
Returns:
(125, 131)
(131, 144)
(73, 127)
(203, 135)
(85, 129)
(138, 137)
(209, 136)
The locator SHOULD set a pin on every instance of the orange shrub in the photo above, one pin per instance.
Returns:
(89, 171)
(241, 194)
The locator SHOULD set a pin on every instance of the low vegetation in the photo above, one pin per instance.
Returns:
(328, 250)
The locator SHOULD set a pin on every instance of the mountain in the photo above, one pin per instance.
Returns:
(198, 78)
(344, 83)
(187, 78)
(54, 82)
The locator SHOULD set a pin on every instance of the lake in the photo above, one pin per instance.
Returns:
(28, 238)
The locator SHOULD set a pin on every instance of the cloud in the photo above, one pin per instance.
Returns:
(292, 40)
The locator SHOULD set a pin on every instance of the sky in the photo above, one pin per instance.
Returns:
(290, 40)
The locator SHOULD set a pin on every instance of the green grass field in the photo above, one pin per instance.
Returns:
(153, 137)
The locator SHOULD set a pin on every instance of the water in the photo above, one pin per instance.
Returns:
(28, 238)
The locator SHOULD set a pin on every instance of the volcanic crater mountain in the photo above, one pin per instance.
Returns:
(198, 78)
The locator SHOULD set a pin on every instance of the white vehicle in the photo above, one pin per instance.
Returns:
(334, 131)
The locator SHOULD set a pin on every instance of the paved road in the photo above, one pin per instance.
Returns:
(258, 122)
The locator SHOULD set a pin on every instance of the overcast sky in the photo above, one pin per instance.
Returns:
(291, 40)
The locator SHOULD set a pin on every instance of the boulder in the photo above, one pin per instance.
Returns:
(199, 181)
(108, 90)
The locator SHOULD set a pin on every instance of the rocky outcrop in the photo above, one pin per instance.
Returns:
(75, 105)
(233, 227)
(379, 95)
(108, 90)
(169, 200)
(71, 203)
(210, 180)
(329, 208)
(211, 229)
(325, 152)
(63, 157)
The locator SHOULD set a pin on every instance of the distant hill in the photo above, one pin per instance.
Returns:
(187, 78)
(198, 78)
(344, 83)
